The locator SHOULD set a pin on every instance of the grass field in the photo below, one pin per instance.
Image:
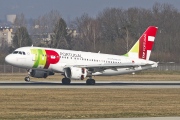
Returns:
(88, 103)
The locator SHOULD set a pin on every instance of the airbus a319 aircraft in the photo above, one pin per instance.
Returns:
(43, 62)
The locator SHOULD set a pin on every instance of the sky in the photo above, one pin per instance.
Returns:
(70, 9)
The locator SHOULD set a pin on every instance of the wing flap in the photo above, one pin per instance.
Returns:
(111, 66)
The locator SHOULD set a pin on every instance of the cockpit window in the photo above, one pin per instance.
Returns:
(19, 52)
(15, 52)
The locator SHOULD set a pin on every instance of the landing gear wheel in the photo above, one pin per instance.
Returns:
(27, 79)
(66, 81)
(90, 82)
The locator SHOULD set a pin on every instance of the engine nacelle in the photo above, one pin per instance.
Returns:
(40, 74)
(75, 73)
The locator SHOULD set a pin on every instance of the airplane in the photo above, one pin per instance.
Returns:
(42, 62)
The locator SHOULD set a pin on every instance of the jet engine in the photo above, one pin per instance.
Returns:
(75, 73)
(40, 74)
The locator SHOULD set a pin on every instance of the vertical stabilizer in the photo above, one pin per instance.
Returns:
(142, 48)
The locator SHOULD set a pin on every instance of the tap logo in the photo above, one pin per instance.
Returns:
(144, 47)
(44, 58)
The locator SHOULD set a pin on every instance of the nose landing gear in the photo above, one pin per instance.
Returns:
(27, 79)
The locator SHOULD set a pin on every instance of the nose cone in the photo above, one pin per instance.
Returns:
(9, 59)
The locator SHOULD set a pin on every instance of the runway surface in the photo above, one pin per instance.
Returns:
(99, 84)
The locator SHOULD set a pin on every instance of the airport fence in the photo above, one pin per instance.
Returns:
(162, 67)
(11, 69)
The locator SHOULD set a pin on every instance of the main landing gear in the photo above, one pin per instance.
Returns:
(90, 82)
(67, 81)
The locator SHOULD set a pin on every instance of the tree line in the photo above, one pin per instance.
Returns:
(113, 31)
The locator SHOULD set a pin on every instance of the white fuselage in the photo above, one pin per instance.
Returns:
(37, 58)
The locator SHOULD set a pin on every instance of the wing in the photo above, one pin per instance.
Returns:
(113, 66)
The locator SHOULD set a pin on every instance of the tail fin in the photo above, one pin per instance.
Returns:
(142, 48)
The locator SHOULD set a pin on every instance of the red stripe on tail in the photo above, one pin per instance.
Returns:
(144, 43)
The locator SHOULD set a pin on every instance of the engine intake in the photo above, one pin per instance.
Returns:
(75, 73)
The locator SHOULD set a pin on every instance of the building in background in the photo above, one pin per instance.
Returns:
(6, 35)
(11, 18)
(72, 32)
